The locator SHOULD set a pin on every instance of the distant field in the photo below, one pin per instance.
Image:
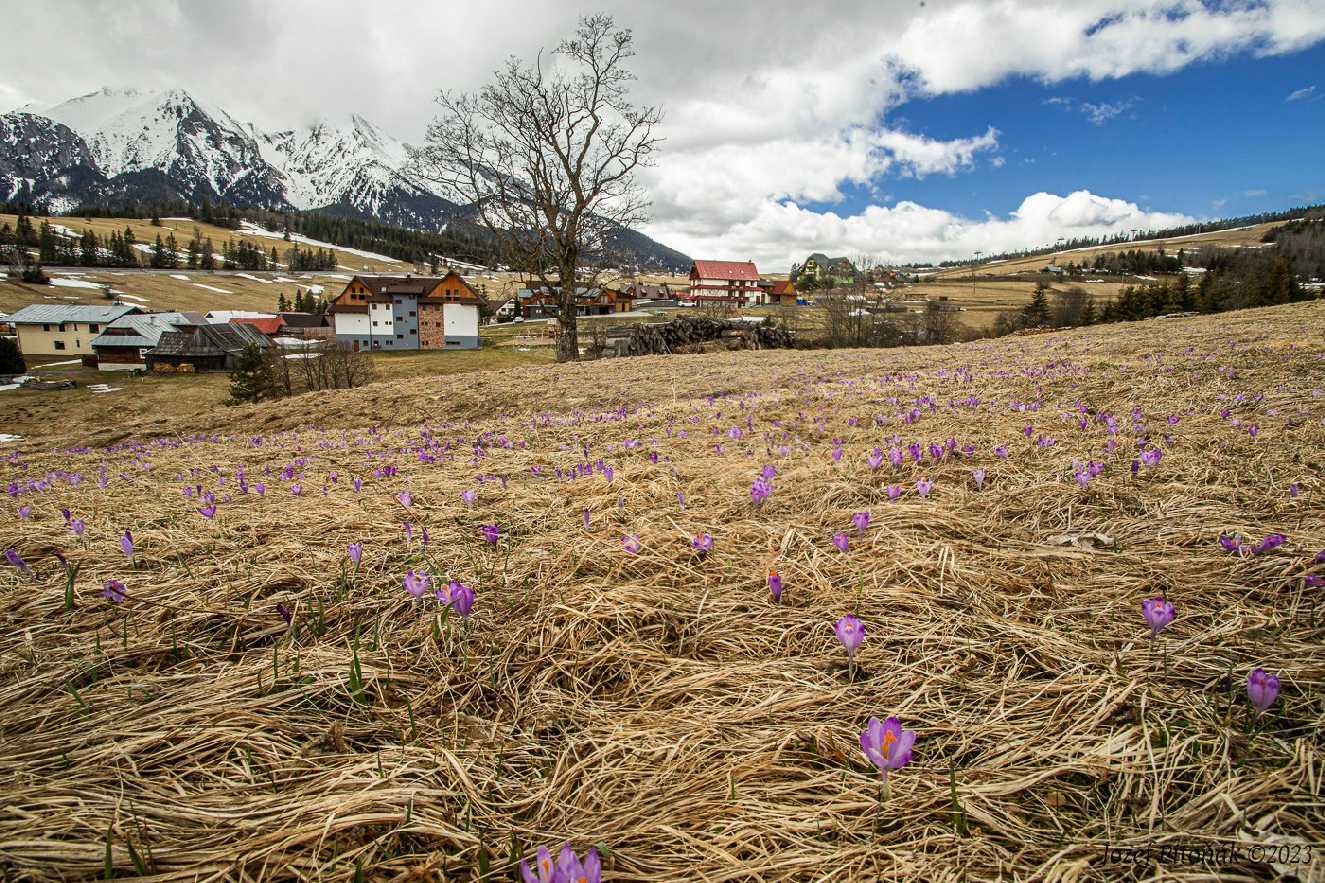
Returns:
(1244, 236)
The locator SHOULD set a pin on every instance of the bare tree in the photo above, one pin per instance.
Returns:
(545, 156)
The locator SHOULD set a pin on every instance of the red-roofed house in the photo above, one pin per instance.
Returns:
(733, 282)
(268, 326)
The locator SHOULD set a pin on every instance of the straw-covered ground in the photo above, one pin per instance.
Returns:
(657, 702)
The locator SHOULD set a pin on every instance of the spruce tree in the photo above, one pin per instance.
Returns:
(11, 360)
(1037, 311)
(247, 378)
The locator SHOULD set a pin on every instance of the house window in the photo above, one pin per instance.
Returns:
(412, 331)
(412, 314)
(59, 344)
(92, 327)
(45, 328)
(400, 337)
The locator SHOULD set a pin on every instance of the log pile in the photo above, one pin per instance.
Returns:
(691, 333)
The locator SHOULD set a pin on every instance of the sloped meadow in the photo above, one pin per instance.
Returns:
(417, 630)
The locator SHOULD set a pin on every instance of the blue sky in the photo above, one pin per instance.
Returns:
(897, 129)
(1214, 139)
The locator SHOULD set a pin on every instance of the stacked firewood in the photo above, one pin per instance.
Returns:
(691, 333)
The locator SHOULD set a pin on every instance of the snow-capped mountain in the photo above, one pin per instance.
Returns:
(115, 146)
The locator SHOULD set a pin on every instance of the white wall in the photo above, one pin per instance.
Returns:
(460, 320)
(352, 324)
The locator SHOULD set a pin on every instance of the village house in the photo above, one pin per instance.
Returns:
(63, 329)
(268, 325)
(821, 271)
(305, 325)
(783, 291)
(208, 347)
(407, 313)
(732, 282)
(542, 302)
(125, 343)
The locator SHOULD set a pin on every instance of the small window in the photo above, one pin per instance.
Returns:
(93, 327)
(45, 327)
(400, 337)
(412, 331)
(412, 314)
(59, 344)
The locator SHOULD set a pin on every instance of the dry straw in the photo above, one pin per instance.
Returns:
(659, 704)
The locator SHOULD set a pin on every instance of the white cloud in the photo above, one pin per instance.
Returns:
(1099, 114)
(1301, 94)
(1252, 194)
(777, 234)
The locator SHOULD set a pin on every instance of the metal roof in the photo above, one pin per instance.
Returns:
(49, 314)
(145, 329)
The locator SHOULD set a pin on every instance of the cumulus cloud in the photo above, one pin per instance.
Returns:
(769, 112)
(776, 234)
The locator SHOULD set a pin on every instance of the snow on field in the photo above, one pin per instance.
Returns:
(254, 230)
(343, 267)
(180, 276)
(213, 288)
(177, 219)
(8, 436)
(75, 283)
(104, 387)
(62, 230)
(141, 300)
(285, 279)
(256, 279)
(315, 289)
(341, 276)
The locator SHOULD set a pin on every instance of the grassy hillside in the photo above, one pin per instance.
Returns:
(1223, 238)
(655, 701)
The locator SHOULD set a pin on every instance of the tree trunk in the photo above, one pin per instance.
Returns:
(568, 338)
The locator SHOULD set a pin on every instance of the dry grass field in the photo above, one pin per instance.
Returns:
(258, 708)
(1224, 238)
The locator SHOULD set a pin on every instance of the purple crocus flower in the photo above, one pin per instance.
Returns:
(1158, 613)
(978, 476)
(894, 491)
(405, 499)
(358, 483)
(631, 544)
(11, 555)
(775, 586)
(1271, 541)
(491, 533)
(841, 540)
(260, 488)
(297, 489)
(285, 613)
(760, 491)
(586, 519)
(924, 486)
(356, 553)
(208, 511)
(25, 512)
(469, 496)
(1152, 456)
(570, 869)
(851, 632)
(126, 543)
(1262, 689)
(861, 520)
(1294, 490)
(77, 526)
(1320, 557)
(1230, 543)
(409, 532)
(462, 598)
(886, 744)
(417, 583)
(543, 861)
(113, 590)
(1001, 452)
(875, 459)
(702, 543)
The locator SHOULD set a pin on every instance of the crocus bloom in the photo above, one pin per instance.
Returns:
(462, 598)
(924, 486)
(1158, 613)
(1271, 541)
(1230, 543)
(356, 552)
(77, 526)
(491, 533)
(775, 585)
(572, 870)
(875, 459)
(126, 543)
(417, 583)
(113, 589)
(285, 613)
(702, 543)
(1001, 452)
(894, 491)
(841, 540)
(405, 499)
(978, 476)
(469, 497)
(851, 632)
(1152, 456)
(543, 860)
(25, 512)
(1262, 689)
(631, 544)
(886, 744)
(760, 491)
(11, 555)
(208, 511)
(586, 519)
(861, 520)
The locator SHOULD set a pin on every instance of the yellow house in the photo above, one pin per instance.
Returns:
(63, 330)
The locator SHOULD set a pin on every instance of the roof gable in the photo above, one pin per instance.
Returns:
(735, 270)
